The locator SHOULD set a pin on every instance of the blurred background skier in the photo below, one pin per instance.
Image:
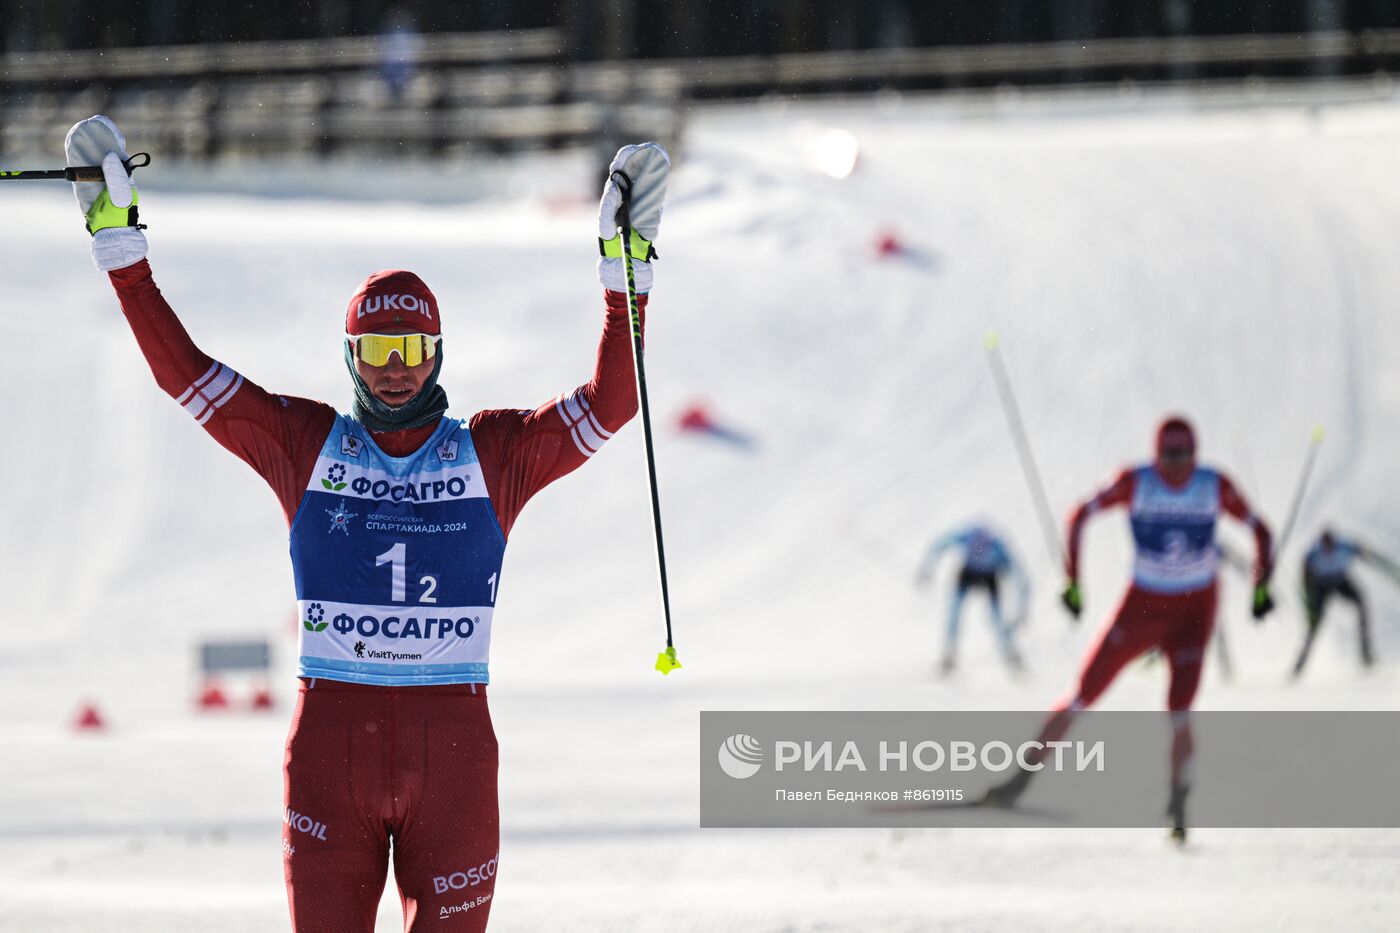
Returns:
(1173, 506)
(1326, 569)
(986, 559)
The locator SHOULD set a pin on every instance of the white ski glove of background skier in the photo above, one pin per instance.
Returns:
(108, 208)
(647, 165)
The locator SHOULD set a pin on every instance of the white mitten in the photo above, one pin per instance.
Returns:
(644, 168)
(109, 207)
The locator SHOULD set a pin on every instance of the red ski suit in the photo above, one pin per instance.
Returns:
(369, 769)
(1178, 624)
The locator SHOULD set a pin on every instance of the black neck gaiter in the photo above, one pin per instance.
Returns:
(424, 408)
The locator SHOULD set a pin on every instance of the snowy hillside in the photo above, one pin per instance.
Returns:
(1234, 264)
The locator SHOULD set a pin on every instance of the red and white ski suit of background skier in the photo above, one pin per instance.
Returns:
(1154, 613)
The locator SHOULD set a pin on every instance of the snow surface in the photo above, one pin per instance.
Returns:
(1234, 263)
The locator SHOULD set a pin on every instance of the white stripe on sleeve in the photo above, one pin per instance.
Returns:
(219, 402)
(198, 382)
(578, 442)
(591, 438)
(589, 435)
(211, 392)
(597, 426)
(575, 409)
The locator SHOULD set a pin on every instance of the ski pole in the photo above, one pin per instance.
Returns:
(1298, 492)
(1387, 566)
(73, 172)
(1023, 447)
(666, 661)
(1392, 571)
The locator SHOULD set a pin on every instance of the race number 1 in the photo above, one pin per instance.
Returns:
(396, 556)
(397, 559)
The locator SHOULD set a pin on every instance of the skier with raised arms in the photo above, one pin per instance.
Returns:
(1173, 506)
(399, 517)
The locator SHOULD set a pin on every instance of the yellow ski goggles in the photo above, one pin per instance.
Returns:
(375, 349)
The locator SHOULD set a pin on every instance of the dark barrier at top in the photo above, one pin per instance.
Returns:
(1250, 769)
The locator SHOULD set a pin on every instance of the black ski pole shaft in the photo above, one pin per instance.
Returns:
(1298, 492)
(639, 367)
(72, 172)
(1023, 446)
(85, 173)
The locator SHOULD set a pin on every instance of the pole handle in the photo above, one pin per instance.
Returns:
(624, 188)
(74, 172)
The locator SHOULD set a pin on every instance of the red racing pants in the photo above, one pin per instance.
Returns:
(1177, 624)
(374, 772)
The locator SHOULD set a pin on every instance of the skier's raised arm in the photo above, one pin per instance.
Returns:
(268, 432)
(524, 451)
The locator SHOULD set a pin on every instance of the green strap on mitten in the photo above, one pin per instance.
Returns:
(104, 214)
(641, 248)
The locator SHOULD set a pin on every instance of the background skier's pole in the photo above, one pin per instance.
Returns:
(1387, 566)
(1023, 446)
(665, 661)
(1298, 492)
